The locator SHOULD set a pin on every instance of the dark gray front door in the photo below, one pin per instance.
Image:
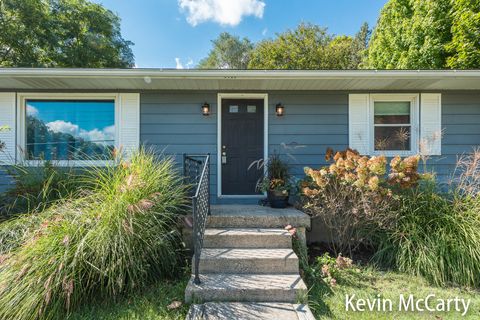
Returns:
(242, 144)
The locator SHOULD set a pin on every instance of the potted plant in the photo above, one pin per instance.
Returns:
(276, 182)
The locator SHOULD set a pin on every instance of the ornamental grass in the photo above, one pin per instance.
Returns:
(118, 234)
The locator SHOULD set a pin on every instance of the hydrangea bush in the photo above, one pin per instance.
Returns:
(355, 194)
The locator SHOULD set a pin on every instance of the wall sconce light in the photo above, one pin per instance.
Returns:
(206, 109)
(279, 109)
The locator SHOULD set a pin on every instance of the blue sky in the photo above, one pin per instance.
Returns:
(177, 33)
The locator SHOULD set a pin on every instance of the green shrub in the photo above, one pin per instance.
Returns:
(436, 236)
(35, 188)
(118, 236)
(410, 224)
(354, 197)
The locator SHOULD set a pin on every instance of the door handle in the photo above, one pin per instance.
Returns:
(224, 157)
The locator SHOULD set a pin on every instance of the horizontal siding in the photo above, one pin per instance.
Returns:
(5, 180)
(461, 131)
(312, 123)
(172, 124)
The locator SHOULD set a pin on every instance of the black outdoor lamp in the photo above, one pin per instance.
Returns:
(279, 109)
(206, 109)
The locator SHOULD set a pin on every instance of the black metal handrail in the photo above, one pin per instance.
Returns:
(197, 175)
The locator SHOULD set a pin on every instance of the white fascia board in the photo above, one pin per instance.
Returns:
(239, 74)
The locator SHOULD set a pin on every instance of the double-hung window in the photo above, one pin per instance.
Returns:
(393, 124)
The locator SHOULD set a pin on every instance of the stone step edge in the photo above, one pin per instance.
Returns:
(208, 311)
(296, 293)
(251, 254)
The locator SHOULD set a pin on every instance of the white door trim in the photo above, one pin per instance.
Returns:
(221, 96)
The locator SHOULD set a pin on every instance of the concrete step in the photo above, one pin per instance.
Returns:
(261, 261)
(247, 238)
(249, 311)
(247, 288)
(254, 216)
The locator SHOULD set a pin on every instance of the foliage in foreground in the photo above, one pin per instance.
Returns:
(327, 297)
(354, 198)
(117, 237)
(408, 223)
(153, 303)
(15, 231)
(436, 237)
(35, 188)
(437, 234)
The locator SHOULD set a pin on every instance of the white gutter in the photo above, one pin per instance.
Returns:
(238, 74)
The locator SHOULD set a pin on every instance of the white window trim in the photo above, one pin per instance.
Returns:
(21, 125)
(414, 99)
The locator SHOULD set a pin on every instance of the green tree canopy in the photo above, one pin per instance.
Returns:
(426, 34)
(228, 52)
(310, 46)
(465, 44)
(61, 33)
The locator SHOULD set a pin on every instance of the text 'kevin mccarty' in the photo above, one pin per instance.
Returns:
(407, 303)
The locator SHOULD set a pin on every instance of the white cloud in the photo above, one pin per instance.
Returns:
(224, 12)
(107, 133)
(32, 111)
(178, 63)
(264, 32)
(63, 126)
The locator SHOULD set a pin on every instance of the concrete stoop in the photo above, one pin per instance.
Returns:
(247, 288)
(246, 238)
(248, 269)
(260, 261)
(249, 311)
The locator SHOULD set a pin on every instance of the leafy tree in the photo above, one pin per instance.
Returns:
(426, 34)
(339, 53)
(302, 48)
(61, 33)
(228, 52)
(360, 45)
(310, 46)
(465, 44)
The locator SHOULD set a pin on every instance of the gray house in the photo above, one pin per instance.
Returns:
(238, 117)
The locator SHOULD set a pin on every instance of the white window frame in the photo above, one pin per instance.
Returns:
(21, 125)
(414, 122)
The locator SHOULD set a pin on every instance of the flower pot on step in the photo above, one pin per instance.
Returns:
(277, 199)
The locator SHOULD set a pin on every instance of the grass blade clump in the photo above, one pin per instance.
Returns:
(37, 187)
(119, 235)
(437, 237)
(15, 231)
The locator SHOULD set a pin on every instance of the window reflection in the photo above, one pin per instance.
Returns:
(70, 129)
